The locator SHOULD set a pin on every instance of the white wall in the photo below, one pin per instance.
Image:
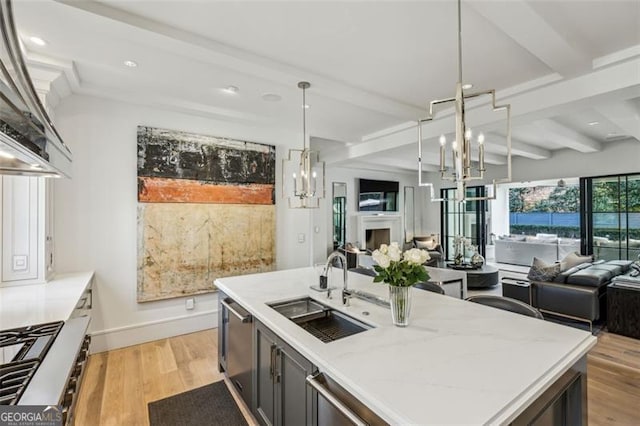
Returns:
(323, 238)
(499, 209)
(95, 215)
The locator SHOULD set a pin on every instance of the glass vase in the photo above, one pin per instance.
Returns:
(457, 254)
(476, 259)
(400, 299)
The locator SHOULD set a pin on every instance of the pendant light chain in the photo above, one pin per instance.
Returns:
(304, 85)
(304, 117)
(459, 41)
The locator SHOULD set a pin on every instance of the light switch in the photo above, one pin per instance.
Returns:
(20, 262)
(301, 238)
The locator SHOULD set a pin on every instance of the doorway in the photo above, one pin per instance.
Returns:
(468, 218)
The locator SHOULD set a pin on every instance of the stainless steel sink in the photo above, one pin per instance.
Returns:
(320, 320)
(297, 308)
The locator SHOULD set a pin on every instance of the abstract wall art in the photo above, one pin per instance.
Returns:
(206, 209)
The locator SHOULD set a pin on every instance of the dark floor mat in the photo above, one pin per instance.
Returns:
(209, 405)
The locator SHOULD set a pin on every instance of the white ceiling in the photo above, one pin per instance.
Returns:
(373, 66)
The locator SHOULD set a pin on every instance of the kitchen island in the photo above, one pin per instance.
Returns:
(456, 363)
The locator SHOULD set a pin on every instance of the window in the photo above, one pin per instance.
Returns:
(545, 209)
(612, 216)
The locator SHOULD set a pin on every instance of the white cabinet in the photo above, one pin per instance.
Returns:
(26, 227)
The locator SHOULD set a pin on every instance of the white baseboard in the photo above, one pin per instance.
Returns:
(114, 338)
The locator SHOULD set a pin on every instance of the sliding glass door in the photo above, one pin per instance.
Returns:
(611, 216)
(467, 219)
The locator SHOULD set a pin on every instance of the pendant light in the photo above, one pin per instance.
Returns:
(302, 171)
(461, 170)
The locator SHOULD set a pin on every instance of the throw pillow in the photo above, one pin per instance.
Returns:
(575, 259)
(426, 245)
(540, 271)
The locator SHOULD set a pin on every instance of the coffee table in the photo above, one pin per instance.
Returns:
(485, 277)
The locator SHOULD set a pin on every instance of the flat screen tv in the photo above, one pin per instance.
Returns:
(378, 195)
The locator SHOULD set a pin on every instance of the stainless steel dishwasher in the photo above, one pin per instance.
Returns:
(236, 348)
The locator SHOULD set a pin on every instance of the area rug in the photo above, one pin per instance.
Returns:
(209, 405)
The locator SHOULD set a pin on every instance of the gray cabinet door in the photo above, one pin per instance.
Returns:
(295, 405)
(264, 396)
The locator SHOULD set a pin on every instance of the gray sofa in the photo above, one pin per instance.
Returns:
(521, 250)
(578, 293)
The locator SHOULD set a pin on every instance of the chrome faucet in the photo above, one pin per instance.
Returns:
(348, 294)
(343, 261)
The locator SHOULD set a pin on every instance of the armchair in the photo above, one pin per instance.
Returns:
(430, 243)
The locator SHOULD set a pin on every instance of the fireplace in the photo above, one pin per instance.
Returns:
(373, 230)
(375, 237)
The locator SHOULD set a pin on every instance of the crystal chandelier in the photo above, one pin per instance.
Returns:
(461, 170)
(302, 172)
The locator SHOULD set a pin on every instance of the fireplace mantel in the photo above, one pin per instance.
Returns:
(382, 221)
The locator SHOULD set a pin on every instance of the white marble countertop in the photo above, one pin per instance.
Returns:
(22, 305)
(457, 363)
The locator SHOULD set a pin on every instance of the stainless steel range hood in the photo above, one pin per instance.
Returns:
(29, 142)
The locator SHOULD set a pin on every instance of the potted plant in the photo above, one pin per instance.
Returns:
(401, 271)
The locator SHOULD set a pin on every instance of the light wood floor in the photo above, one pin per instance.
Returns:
(613, 371)
(119, 384)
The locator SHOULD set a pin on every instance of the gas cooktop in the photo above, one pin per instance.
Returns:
(21, 352)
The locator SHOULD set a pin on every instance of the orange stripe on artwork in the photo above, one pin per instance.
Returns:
(163, 190)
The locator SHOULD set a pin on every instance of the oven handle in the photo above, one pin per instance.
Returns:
(312, 380)
(242, 318)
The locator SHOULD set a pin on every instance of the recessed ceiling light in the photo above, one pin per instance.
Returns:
(271, 97)
(306, 106)
(6, 155)
(593, 123)
(232, 90)
(130, 64)
(37, 41)
(467, 86)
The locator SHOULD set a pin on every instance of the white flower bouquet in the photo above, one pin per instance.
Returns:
(462, 241)
(400, 269)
